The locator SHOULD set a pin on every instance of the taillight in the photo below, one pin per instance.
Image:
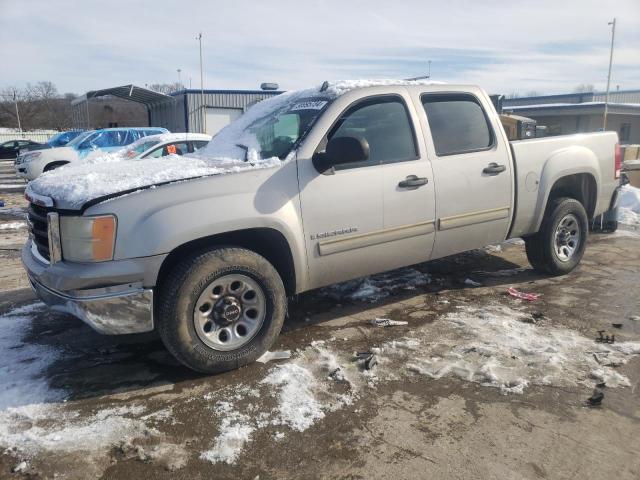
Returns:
(618, 164)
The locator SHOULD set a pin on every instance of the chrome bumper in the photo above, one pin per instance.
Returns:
(116, 310)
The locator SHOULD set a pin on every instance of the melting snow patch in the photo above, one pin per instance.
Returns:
(23, 364)
(235, 431)
(494, 347)
(13, 225)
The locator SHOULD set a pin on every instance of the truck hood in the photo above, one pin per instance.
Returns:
(72, 186)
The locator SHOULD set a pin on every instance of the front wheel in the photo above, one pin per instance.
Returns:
(220, 309)
(559, 245)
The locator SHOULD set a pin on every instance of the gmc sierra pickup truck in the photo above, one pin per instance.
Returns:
(304, 190)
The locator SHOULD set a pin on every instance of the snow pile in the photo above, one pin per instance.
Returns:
(23, 364)
(379, 286)
(498, 347)
(77, 184)
(13, 225)
(235, 431)
(629, 211)
(304, 391)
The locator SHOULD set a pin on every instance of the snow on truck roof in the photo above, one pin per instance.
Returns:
(72, 185)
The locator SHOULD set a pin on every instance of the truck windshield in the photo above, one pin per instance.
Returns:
(271, 128)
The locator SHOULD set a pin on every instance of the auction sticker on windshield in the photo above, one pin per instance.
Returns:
(309, 105)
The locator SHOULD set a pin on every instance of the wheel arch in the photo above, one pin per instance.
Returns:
(267, 242)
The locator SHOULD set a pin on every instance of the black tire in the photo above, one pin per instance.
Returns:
(183, 286)
(540, 247)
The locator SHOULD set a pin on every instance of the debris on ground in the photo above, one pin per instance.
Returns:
(605, 338)
(616, 325)
(471, 283)
(268, 356)
(596, 398)
(386, 322)
(21, 467)
(368, 359)
(635, 318)
(522, 295)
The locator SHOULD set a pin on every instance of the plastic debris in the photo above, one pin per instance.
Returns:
(635, 318)
(268, 356)
(522, 295)
(386, 322)
(369, 359)
(605, 338)
(472, 283)
(596, 398)
(21, 467)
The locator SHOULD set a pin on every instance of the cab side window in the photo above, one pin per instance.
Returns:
(458, 124)
(385, 124)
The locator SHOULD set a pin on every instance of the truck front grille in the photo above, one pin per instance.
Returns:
(38, 228)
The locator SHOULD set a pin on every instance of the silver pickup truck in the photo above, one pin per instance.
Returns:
(368, 177)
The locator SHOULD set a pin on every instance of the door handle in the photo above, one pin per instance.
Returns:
(494, 169)
(413, 181)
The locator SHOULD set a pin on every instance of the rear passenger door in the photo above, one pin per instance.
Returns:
(472, 171)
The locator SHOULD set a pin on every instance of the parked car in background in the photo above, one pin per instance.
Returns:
(32, 164)
(58, 140)
(359, 178)
(11, 148)
(156, 146)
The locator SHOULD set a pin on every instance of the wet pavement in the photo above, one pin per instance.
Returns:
(478, 384)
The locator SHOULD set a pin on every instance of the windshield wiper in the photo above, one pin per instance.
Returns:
(246, 150)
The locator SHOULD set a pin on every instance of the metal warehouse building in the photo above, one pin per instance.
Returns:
(183, 111)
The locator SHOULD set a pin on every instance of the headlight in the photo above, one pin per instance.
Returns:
(88, 239)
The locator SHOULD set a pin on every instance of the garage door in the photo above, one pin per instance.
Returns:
(218, 118)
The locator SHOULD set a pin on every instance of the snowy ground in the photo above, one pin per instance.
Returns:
(629, 212)
(476, 384)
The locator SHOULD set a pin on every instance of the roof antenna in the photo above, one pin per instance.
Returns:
(324, 86)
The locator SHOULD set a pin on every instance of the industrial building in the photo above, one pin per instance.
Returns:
(186, 110)
(582, 112)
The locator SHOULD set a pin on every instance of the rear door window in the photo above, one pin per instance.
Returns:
(458, 123)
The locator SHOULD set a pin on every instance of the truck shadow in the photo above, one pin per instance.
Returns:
(86, 364)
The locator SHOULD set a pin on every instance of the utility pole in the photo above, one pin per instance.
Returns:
(606, 101)
(15, 100)
(179, 79)
(204, 114)
(429, 72)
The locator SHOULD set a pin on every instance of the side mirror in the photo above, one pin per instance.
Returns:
(342, 150)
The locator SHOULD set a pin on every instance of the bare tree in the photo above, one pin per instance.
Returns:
(584, 88)
(40, 106)
(166, 88)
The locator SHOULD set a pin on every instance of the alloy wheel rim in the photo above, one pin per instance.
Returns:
(567, 237)
(229, 312)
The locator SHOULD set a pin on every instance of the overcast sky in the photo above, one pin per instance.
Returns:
(506, 46)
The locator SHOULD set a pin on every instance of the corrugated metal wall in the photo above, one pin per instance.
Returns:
(177, 117)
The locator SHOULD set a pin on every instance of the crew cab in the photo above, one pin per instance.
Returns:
(304, 190)
(32, 164)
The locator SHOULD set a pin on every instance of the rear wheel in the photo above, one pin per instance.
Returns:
(221, 309)
(559, 245)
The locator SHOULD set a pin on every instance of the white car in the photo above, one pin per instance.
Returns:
(87, 145)
(156, 146)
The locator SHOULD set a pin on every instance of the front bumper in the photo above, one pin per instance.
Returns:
(110, 296)
(115, 310)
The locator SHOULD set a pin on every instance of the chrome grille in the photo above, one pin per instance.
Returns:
(38, 228)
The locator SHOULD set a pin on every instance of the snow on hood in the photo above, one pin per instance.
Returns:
(74, 185)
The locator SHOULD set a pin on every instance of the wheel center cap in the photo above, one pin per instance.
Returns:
(228, 310)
